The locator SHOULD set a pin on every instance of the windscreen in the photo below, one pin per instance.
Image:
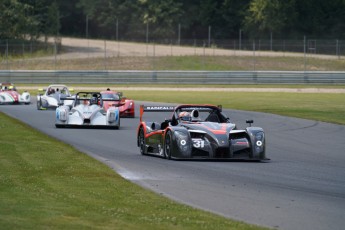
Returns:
(112, 96)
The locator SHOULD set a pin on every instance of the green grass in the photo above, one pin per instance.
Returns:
(114, 86)
(243, 63)
(327, 107)
(46, 184)
(206, 63)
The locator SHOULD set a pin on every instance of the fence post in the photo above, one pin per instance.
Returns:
(179, 35)
(117, 37)
(105, 55)
(254, 55)
(7, 54)
(304, 48)
(240, 40)
(209, 36)
(147, 38)
(55, 54)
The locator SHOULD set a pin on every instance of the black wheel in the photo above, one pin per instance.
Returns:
(168, 145)
(231, 150)
(141, 141)
(39, 104)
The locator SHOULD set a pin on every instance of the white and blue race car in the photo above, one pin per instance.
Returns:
(51, 97)
(87, 112)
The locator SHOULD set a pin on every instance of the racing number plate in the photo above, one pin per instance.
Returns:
(198, 143)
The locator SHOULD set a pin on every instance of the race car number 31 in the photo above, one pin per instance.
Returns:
(198, 143)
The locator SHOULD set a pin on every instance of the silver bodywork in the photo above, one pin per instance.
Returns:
(52, 96)
(86, 115)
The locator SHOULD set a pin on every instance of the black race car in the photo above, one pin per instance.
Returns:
(199, 132)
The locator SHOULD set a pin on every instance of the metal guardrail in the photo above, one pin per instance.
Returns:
(172, 77)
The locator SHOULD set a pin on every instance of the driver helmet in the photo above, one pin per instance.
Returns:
(93, 100)
(184, 116)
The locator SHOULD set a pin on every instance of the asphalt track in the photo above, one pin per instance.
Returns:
(302, 187)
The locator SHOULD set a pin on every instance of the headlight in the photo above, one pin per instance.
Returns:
(259, 141)
(61, 115)
(259, 136)
(183, 141)
(111, 117)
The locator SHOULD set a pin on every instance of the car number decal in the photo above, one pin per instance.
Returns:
(198, 143)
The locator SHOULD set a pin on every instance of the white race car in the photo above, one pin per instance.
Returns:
(9, 95)
(52, 96)
(87, 112)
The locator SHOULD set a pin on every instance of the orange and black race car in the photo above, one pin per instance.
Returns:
(126, 106)
(199, 132)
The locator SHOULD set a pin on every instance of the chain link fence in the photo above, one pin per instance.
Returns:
(165, 54)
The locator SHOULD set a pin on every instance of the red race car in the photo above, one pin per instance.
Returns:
(125, 105)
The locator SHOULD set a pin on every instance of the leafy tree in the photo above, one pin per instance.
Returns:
(161, 15)
(275, 16)
(105, 14)
(233, 13)
(321, 18)
(16, 19)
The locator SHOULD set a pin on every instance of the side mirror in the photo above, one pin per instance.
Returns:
(120, 94)
(220, 108)
(250, 122)
(174, 121)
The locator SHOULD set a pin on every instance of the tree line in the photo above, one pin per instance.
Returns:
(166, 19)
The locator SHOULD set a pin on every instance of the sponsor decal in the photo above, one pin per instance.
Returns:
(241, 143)
(159, 107)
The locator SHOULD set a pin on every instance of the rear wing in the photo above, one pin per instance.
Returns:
(156, 108)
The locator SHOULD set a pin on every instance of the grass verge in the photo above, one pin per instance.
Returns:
(46, 184)
(325, 107)
(195, 62)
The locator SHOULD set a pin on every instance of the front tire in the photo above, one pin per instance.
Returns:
(168, 145)
(39, 104)
(141, 141)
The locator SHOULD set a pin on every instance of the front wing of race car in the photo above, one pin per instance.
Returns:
(248, 144)
(73, 119)
(46, 102)
(15, 98)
